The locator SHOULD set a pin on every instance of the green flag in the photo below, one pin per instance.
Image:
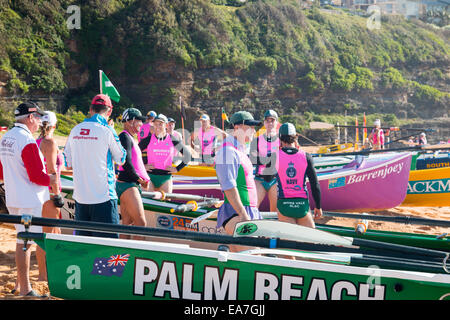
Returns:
(106, 87)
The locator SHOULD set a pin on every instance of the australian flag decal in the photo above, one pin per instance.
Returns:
(112, 266)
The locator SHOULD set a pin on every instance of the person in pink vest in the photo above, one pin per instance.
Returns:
(376, 137)
(205, 139)
(147, 127)
(263, 153)
(132, 174)
(171, 129)
(26, 181)
(158, 151)
(293, 166)
(235, 174)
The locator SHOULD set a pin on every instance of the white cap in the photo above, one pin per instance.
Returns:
(204, 117)
(377, 122)
(49, 117)
(423, 134)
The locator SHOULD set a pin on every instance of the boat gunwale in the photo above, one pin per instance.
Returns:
(351, 171)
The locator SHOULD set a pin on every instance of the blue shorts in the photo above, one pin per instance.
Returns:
(106, 212)
(266, 184)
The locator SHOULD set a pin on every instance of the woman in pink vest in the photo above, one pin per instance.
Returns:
(376, 137)
(147, 127)
(158, 151)
(132, 174)
(263, 153)
(205, 139)
(294, 166)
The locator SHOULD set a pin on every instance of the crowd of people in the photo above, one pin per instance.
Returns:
(107, 167)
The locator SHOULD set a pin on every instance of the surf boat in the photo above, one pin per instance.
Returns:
(329, 267)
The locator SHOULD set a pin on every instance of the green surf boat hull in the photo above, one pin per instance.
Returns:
(98, 268)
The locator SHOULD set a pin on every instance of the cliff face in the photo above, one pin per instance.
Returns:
(266, 54)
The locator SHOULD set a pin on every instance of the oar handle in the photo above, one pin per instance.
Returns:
(189, 206)
(194, 206)
(399, 248)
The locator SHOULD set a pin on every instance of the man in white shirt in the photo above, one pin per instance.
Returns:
(91, 150)
(26, 183)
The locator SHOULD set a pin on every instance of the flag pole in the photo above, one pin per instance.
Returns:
(100, 79)
(223, 120)
(182, 122)
(364, 131)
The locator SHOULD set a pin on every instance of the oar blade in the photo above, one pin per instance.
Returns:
(288, 231)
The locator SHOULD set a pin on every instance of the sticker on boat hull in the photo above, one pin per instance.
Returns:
(336, 182)
(246, 229)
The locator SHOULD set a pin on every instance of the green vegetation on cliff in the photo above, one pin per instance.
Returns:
(314, 51)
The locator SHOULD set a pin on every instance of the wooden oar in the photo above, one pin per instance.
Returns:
(394, 219)
(353, 259)
(204, 216)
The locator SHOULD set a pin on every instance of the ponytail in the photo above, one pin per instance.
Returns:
(45, 129)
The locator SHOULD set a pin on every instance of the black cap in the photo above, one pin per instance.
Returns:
(28, 108)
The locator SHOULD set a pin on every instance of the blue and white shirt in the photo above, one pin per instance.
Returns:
(91, 150)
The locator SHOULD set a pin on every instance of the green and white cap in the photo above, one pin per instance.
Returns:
(131, 114)
(161, 117)
(287, 129)
(244, 117)
(271, 114)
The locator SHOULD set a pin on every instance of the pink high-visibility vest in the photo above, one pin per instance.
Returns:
(291, 174)
(160, 153)
(264, 149)
(144, 132)
(207, 140)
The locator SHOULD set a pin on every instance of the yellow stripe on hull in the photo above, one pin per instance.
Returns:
(197, 171)
(335, 148)
(428, 188)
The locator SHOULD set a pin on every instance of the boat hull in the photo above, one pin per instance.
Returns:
(371, 187)
(78, 269)
(428, 188)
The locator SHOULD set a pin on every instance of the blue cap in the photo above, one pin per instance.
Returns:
(151, 114)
